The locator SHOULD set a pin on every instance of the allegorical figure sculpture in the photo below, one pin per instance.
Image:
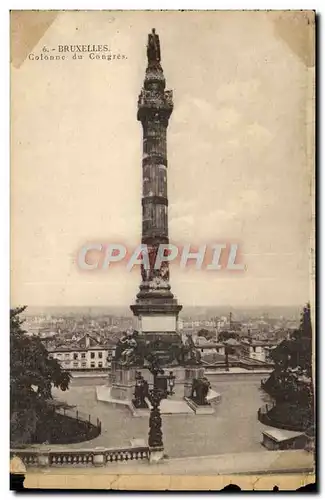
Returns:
(126, 352)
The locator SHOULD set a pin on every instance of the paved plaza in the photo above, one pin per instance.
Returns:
(233, 428)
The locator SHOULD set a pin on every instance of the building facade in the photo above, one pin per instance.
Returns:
(85, 354)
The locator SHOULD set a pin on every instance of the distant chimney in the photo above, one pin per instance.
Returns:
(87, 340)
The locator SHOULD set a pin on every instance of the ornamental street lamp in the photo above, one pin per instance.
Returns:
(155, 433)
(158, 393)
(171, 382)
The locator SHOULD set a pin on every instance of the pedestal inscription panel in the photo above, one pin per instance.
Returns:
(161, 323)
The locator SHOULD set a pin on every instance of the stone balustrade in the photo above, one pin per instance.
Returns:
(79, 457)
(30, 458)
(139, 453)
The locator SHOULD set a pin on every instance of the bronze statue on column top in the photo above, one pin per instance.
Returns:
(153, 47)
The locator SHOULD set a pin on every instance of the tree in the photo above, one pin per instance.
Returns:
(290, 384)
(226, 335)
(32, 375)
(209, 335)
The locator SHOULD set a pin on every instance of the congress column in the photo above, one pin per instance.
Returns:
(156, 310)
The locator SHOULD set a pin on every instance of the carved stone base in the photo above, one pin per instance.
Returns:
(156, 316)
(167, 406)
(156, 455)
(199, 409)
(149, 305)
(123, 384)
(139, 412)
(122, 392)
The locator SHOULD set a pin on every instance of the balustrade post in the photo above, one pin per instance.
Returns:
(43, 458)
(99, 457)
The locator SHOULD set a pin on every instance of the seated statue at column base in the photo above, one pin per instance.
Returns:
(128, 351)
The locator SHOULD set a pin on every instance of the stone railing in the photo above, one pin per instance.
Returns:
(81, 416)
(248, 365)
(265, 408)
(81, 457)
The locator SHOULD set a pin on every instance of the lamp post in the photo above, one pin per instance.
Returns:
(158, 393)
(171, 382)
(227, 358)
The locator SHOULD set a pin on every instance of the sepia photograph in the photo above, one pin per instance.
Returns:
(162, 308)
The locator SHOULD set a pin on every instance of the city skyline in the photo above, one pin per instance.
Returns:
(196, 310)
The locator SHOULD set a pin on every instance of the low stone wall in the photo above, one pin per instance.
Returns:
(287, 440)
(253, 364)
(79, 457)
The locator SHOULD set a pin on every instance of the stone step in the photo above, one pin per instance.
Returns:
(200, 409)
(170, 407)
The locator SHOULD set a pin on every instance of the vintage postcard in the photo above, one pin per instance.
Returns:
(162, 249)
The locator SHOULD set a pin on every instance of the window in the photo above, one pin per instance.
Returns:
(84, 364)
(67, 363)
(67, 355)
(100, 364)
(100, 354)
(92, 364)
(51, 356)
(75, 364)
(75, 355)
(83, 355)
(92, 355)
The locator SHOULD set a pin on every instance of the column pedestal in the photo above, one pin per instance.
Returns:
(123, 383)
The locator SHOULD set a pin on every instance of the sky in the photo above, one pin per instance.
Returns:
(238, 148)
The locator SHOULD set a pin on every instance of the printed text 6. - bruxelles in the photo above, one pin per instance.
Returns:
(83, 48)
